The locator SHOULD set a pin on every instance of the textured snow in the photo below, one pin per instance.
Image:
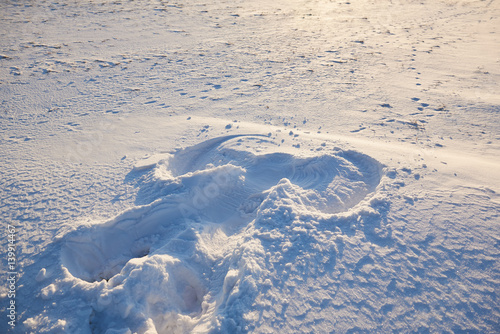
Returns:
(251, 166)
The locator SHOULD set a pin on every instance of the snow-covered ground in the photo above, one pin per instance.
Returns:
(298, 166)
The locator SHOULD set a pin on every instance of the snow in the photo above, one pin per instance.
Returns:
(302, 166)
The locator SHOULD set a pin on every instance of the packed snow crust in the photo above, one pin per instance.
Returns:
(290, 166)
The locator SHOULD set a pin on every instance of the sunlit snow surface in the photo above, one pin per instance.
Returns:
(251, 166)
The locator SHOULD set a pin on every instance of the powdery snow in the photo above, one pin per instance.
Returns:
(251, 167)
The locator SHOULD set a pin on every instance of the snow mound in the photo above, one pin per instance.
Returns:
(217, 200)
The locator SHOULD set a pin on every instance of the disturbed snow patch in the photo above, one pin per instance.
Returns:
(186, 259)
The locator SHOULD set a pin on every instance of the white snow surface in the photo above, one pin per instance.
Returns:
(300, 166)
